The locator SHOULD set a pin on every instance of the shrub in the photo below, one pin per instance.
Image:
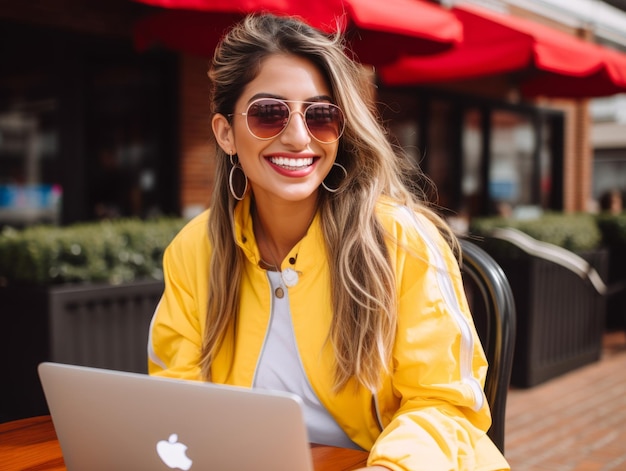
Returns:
(576, 232)
(109, 251)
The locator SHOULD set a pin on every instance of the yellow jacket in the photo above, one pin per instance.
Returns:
(430, 413)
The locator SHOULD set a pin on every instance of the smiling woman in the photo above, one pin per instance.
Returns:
(317, 271)
(286, 147)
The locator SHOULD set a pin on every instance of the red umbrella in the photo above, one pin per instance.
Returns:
(552, 63)
(609, 79)
(378, 31)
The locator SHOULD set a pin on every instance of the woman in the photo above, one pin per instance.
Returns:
(316, 270)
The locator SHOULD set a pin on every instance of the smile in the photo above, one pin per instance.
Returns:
(291, 164)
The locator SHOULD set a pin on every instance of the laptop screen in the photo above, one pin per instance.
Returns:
(108, 419)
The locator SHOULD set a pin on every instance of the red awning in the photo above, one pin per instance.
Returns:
(610, 79)
(378, 31)
(551, 62)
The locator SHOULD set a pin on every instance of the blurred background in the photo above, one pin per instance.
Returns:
(103, 107)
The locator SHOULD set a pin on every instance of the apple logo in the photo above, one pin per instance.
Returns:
(172, 452)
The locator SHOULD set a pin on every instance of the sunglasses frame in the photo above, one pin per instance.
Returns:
(291, 112)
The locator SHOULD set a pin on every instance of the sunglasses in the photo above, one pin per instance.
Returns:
(266, 118)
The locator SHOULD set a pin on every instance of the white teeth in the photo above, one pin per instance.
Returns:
(291, 164)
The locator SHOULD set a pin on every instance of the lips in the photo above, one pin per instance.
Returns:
(292, 164)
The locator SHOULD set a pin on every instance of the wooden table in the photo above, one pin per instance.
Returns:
(31, 444)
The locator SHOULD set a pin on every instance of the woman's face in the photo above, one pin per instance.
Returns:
(292, 165)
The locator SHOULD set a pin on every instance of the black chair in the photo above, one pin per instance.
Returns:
(493, 308)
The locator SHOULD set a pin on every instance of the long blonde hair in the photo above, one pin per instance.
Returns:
(362, 279)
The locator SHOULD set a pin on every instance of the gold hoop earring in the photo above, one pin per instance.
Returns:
(345, 175)
(236, 165)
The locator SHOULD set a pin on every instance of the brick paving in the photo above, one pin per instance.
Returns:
(575, 422)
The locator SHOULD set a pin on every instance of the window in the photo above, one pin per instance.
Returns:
(87, 128)
(485, 157)
(30, 188)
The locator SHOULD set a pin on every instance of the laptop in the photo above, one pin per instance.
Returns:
(112, 420)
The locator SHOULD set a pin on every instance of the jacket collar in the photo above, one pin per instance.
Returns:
(306, 252)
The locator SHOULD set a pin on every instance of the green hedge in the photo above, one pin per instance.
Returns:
(576, 232)
(109, 251)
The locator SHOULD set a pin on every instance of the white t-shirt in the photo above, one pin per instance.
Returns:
(280, 368)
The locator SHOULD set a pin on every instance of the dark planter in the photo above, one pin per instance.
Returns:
(560, 316)
(613, 229)
(616, 301)
(97, 325)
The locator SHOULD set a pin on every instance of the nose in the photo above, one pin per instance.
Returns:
(296, 133)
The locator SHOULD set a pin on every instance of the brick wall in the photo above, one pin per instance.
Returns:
(197, 146)
(577, 153)
(584, 158)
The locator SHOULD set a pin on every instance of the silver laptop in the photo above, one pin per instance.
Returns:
(111, 420)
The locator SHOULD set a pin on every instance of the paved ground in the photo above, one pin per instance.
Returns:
(574, 422)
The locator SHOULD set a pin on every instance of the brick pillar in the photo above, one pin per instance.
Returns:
(583, 162)
(577, 154)
(569, 155)
(584, 155)
(197, 145)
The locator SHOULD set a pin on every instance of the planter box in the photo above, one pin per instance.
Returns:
(616, 302)
(560, 316)
(97, 325)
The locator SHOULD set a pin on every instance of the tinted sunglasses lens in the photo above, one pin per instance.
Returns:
(267, 118)
(325, 121)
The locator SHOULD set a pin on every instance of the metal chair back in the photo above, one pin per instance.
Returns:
(493, 309)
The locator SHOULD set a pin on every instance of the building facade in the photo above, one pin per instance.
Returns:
(92, 128)
(88, 127)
